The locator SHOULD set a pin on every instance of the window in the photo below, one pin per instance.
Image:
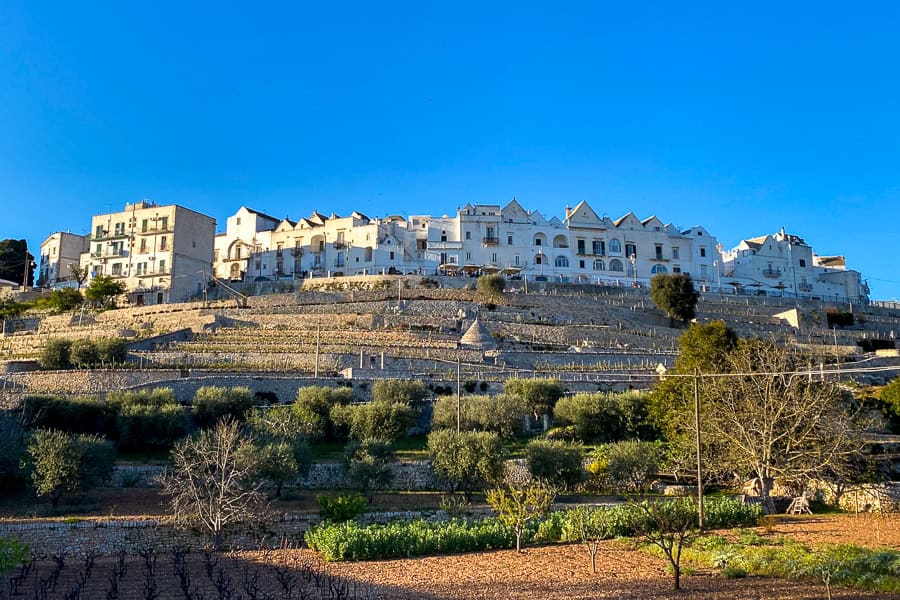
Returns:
(580, 264)
(562, 261)
(676, 268)
(630, 250)
(615, 247)
(675, 252)
(117, 269)
(702, 251)
(215, 256)
(120, 228)
(509, 240)
(367, 254)
(468, 235)
(703, 274)
(581, 245)
(599, 266)
(443, 236)
(237, 221)
(162, 266)
(802, 262)
(493, 257)
(537, 241)
(599, 248)
(616, 265)
(163, 241)
(392, 255)
(99, 249)
(659, 269)
(164, 223)
(517, 260)
(144, 226)
(98, 232)
(468, 256)
(659, 253)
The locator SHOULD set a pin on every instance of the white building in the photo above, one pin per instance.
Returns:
(161, 253)
(60, 252)
(784, 264)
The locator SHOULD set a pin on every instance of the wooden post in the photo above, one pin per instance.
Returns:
(699, 464)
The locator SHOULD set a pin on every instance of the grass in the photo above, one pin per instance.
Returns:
(749, 553)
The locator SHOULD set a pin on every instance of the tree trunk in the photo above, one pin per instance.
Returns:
(676, 569)
(54, 499)
(278, 489)
(217, 540)
(594, 561)
(518, 539)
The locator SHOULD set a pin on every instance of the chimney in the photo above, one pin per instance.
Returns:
(568, 211)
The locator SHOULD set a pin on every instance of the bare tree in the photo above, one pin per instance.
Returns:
(79, 273)
(765, 420)
(214, 480)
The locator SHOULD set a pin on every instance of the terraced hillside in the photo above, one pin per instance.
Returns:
(568, 329)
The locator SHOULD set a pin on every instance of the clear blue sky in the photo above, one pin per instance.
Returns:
(742, 118)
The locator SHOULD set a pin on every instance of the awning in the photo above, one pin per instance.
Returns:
(490, 269)
(449, 267)
(512, 270)
(470, 268)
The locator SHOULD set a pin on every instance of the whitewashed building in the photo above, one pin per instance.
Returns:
(60, 252)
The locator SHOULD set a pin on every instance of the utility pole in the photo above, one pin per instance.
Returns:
(458, 393)
(699, 464)
(318, 327)
(27, 264)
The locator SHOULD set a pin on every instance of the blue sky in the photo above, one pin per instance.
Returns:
(742, 118)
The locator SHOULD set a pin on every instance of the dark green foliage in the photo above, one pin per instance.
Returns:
(381, 421)
(111, 351)
(401, 539)
(890, 397)
(211, 403)
(150, 426)
(838, 318)
(368, 466)
(555, 464)
(73, 415)
(490, 287)
(151, 397)
(275, 462)
(340, 508)
(502, 414)
(55, 354)
(275, 422)
(675, 295)
(465, 462)
(606, 417)
(540, 395)
(312, 409)
(12, 449)
(470, 386)
(399, 390)
(103, 290)
(10, 309)
(83, 354)
(629, 466)
(14, 260)
(62, 300)
(12, 554)
(62, 463)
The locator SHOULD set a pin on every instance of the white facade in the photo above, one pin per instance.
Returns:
(161, 253)
(784, 264)
(59, 253)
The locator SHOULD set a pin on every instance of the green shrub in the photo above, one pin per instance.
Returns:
(150, 426)
(312, 409)
(112, 351)
(607, 417)
(399, 390)
(149, 397)
(628, 467)
(61, 463)
(539, 395)
(465, 462)
(274, 462)
(56, 354)
(838, 318)
(490, 287)
(275, 422)
(73, 415)
(352, 541)
(12, 554)
(369, 466)
(502, 414)
(554, 463)
(12, 450)
(83, 354)
(341, 508)
(381, 421)
(211, 403)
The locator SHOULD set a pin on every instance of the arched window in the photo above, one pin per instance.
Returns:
(616, 265)
(538, 259)
(599, 266)
(540, 240)
(562, 261)
(560, 241)
(615, 247)
(657, 269)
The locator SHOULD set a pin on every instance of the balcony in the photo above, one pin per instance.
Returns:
(111, 253)
(445, 245)
(490, 241)
(156, 230)
(339, 245)
(154, 273)
(296, 252)
(804, 287)
(772, 273)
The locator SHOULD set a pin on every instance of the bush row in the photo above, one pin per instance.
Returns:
(83, 353)
(352, 541)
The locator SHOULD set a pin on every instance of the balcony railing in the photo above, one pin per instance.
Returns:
(490, 241)
(155, 230)
(772, 273)
(154, 273)
(339, 244)
(804, 287)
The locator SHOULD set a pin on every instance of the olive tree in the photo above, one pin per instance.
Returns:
(465, 462)
(675, 295)
(62, 462)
